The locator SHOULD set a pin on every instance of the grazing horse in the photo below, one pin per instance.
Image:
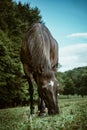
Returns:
(39, 55)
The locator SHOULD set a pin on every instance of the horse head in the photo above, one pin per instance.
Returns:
(48, 90)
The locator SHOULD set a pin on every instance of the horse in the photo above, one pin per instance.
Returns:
(39, 56)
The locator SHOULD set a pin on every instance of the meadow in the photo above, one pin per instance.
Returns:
(73, 116)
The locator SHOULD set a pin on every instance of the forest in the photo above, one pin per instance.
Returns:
(15, 19)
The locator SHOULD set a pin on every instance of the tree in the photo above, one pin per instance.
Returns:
(83, 85)
(14, 20)
(69, 87)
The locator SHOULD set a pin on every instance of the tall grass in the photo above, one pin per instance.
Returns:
(73, 116)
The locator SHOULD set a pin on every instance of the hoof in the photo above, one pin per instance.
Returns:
(42, 114)
(32, 112)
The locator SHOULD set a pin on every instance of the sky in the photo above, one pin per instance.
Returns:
(67, 22)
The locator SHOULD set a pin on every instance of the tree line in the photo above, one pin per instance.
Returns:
(15, 19)
(73, 81)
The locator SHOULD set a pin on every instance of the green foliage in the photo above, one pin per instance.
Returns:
(11, 87)
(69, 86)
(14, 20)
(73, 116)
(73, 81)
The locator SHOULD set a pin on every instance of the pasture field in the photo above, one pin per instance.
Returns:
(73, 116)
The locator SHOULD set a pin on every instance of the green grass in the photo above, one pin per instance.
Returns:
(73, 116)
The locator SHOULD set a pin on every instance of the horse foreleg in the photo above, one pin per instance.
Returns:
(31, 91)
(41, 106)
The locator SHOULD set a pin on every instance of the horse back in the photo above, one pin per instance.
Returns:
(39, 48)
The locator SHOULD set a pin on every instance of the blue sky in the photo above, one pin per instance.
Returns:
(67, 22)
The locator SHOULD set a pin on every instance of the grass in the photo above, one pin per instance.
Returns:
(73, 116)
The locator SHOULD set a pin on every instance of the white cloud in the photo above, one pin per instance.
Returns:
(73, 56)
(82, 35)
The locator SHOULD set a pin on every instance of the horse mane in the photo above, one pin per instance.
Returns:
(39, 52)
